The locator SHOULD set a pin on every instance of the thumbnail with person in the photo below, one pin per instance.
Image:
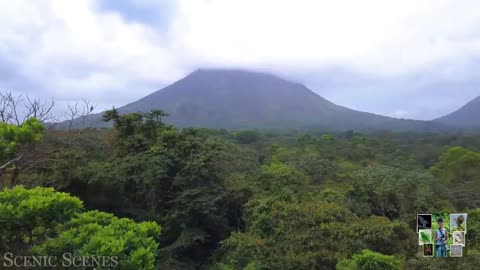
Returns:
(442, 234)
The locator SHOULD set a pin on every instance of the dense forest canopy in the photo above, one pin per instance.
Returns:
(159, 197)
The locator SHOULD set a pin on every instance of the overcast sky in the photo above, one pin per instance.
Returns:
(406, 58)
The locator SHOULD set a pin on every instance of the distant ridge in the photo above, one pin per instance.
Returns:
(467, 117)
(239, 99)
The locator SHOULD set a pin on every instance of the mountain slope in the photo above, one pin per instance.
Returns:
(467, 116)
(237, 99)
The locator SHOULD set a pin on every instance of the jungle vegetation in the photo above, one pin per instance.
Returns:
(160, 197)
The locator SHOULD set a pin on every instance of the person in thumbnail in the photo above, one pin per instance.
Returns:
(441, 239)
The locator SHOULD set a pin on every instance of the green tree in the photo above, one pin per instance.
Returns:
(459, 177)
(135, 132)
(96, 233)
(390, 192)
(294, 232)
(289, 235)
(456, 165)
(327, 138)
(317, 168)
(13, 137)
(29, 216)
(279, 177)
(178, 181)
(46, 222)
(358, 139)
(14, 143)
(368, 260)
(247, 136)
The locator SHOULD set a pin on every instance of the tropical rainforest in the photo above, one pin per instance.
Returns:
(159, 197)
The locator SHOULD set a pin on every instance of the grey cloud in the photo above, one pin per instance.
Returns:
(423, 94)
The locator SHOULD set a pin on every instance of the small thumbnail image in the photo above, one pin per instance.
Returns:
(456, 251)
(458, 222)
(428, 250)
(424, 237)
(424, 221)
(458, 238)
(441, 236)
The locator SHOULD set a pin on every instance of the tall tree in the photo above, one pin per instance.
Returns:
(15, 142)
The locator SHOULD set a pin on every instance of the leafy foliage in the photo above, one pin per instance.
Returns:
(252, 199)
(368, 260)
(459, 174)
(310, 234)
(28, 216)
(100, 234)
(50, 223)
(457, 164)
(12, 137)
(390, 192)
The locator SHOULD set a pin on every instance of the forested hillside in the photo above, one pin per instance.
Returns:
(160, 197)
